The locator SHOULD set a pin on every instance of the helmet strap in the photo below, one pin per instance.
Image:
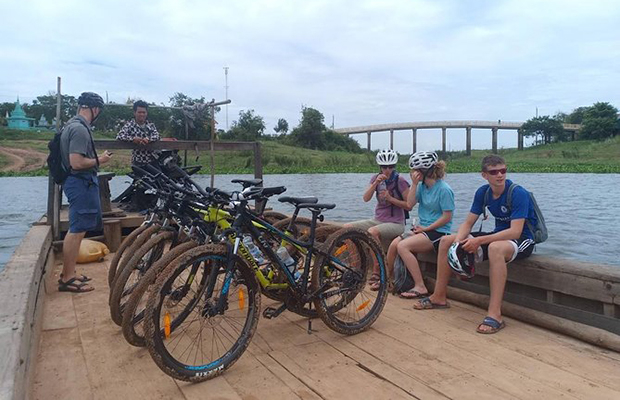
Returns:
(92, 113)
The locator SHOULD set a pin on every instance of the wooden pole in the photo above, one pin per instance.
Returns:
(54, 199)
(212, 151)
(186, 138)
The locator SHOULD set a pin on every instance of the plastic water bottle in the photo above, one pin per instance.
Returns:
(288, 261)
(254, 250)
(380, 188)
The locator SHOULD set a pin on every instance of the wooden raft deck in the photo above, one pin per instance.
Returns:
(407, 354)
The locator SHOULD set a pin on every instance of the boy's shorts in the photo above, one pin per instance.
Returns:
(82, 191)
(523, 247)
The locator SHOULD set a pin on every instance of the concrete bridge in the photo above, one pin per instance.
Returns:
(494, 126)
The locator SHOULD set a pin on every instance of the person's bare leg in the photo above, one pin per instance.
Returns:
(374, 232)
(406, 249)
(391, 256)
(499, 253)
(440, 294)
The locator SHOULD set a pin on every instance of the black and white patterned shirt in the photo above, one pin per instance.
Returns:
(132, 130)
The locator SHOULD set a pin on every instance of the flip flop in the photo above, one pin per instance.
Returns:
(491, 322)
(427, 304)
(412, 294)
(75, 286)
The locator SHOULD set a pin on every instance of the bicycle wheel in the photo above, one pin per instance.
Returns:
(273, 216)
(135, 269)
(133, 311)
(188, 337)
(344, 302)
(129, 240)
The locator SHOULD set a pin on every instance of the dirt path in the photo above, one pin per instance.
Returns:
(23, 159)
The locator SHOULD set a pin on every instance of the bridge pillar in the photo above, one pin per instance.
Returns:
(391, 139)
(415, 139)
(519, 139)
(368, 140)
(443, 139)
(494, 140)
(468, 140)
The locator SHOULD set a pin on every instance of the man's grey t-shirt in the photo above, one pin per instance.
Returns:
(76, 139)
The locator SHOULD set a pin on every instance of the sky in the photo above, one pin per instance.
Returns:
(358, 62)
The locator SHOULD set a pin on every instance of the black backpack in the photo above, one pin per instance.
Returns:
(402, 278)
(54, 160)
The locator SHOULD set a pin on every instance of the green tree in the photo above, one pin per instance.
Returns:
(550, 129)
(281, 127)
(249, 127)
(576, 117)
(599, 121)
(309, 133)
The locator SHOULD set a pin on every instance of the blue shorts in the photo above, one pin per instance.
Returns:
(82, 191)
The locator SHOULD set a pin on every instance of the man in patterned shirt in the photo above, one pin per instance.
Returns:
(141, 132)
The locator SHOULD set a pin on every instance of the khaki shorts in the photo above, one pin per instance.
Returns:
(387, 230)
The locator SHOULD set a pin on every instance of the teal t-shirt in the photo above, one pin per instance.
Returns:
(432, 202)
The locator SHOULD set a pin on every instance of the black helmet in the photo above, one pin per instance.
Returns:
(90, 99)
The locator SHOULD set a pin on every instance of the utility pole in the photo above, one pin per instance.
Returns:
(226, 87)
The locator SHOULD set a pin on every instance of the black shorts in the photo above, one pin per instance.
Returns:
(433, 236)
(523, 246)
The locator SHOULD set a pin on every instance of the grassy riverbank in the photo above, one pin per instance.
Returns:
(573, 157)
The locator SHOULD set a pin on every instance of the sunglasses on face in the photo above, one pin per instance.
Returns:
(497, 171)
(387, 167)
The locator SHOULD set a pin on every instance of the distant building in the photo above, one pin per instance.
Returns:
(43, 122)
(18, 119)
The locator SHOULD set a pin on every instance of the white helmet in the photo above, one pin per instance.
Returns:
(423, 160)
(387, 157)
(462, 262)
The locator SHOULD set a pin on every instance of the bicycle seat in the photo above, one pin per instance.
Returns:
(317, 206)
(248, 182)
(298, 200)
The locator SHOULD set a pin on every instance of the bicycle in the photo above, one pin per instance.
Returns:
(211, 295)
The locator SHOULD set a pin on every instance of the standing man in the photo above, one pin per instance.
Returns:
(511, 240)
(81, 187)
(141, 132)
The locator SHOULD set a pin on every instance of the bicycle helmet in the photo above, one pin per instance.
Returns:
(423, 160)
(387, 157)
(462, 262)
(90, 100)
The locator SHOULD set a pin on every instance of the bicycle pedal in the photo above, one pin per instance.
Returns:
(271, 312)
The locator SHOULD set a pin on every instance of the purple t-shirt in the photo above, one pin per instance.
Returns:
(386, 212)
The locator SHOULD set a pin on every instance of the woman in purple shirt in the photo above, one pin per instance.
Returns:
(391, 191)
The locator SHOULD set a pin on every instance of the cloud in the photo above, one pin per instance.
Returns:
(362, 62)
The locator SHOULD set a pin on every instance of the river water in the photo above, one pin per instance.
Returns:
(582, 211)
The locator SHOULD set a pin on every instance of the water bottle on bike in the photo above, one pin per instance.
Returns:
(254, 250)
(288, 261)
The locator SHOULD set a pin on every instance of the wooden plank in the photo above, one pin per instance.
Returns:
(61, 371)
(176, 145)
(457, 343)
(325, 372)
(21, 285)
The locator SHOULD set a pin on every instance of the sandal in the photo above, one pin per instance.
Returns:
(492, 323)
(81, 278)
(427, 304)
(413, 294)
(374, 286)
(75, 286)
